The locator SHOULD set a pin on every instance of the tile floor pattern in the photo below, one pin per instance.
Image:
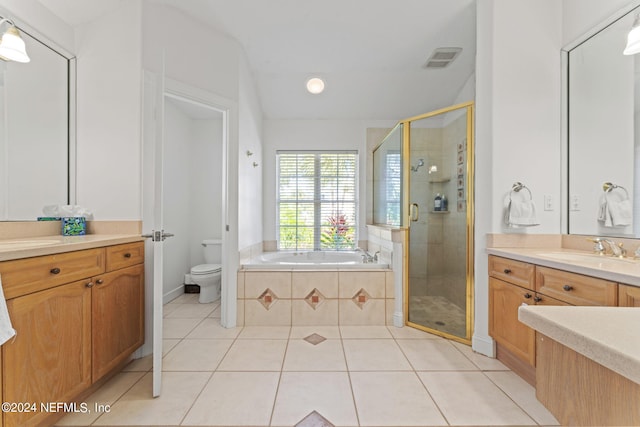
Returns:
(272, 376)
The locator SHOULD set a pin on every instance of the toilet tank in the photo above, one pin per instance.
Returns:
(212, 251)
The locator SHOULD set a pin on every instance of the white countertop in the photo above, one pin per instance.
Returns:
(48, 245)
(625, 270)
(608, 335)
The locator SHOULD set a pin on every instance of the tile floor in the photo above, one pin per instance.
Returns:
(272, 376)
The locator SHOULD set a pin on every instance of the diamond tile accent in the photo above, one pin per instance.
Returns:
(314, 419)
(314, 339)
(268, 298)
(315, 298)
(361, 298)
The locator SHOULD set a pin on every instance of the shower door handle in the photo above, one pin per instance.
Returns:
(414, 212)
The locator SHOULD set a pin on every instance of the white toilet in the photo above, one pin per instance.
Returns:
(209, 276)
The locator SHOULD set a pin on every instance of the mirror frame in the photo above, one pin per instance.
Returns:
(564, 151)
(25, 28)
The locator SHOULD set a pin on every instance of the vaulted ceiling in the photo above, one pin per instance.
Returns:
(371, 53)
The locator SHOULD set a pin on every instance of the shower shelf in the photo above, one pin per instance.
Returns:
(439, 181)
(440, 212)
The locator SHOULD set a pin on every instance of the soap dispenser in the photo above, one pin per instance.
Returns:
(437, 203)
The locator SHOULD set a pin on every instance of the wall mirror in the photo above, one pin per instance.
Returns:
(603, 127)
(36, 101)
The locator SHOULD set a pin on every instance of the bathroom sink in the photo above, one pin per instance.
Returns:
(586, 257)
(25, 244)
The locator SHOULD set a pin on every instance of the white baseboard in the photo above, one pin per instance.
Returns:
(171, 295)
(483, 345)
(398, 320)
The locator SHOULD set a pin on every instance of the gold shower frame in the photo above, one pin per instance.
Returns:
(470, 225)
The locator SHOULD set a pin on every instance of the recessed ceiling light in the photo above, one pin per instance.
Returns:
(315, 85)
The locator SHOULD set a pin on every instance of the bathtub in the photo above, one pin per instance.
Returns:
(311, 260)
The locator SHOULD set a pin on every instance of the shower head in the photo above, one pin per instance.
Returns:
(420, 163)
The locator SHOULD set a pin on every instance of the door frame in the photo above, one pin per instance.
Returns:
(469, 209)
(155, 88)
(228, 108)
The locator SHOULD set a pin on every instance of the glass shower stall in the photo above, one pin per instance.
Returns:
(423, 184)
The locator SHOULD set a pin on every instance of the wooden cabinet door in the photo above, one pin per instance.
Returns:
(504, 326)
(50, 358)
(628, 296)
(117, 303)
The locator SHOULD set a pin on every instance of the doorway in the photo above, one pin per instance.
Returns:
(172, 176)
(192, 186)
(440, 237)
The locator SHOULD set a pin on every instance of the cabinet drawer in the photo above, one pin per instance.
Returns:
(575, 288)
(121, 256)
(24, 276)
(516, 272)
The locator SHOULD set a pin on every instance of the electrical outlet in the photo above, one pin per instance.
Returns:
(548, 202)
(574, 204)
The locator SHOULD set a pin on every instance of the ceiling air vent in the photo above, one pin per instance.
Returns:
(442, 56)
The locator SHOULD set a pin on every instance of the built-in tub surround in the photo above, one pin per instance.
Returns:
(311, 260)
(337, 301)
(315, 297)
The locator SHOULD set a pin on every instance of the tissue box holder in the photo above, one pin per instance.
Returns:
(74, 226)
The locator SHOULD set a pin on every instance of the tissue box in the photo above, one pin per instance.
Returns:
(74, 226)
(49, 218)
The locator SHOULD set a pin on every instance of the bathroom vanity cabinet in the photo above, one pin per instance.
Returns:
(628, 296)
(513, 283)
(78, 316)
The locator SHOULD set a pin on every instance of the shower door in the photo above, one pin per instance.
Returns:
(438, 153)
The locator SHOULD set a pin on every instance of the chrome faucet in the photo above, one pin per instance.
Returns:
(367, 257)
(616, 249)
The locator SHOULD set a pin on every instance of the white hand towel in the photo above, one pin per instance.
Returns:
(521, 213)
(616, 210)
(6, 329)
(621, 213)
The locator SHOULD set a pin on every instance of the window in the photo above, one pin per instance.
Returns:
(393, 188)
(317, 200)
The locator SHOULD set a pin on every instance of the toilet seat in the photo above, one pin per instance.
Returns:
(206, 269)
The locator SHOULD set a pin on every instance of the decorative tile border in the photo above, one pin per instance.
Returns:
(352, 302)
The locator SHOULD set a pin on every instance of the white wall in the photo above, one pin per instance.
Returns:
(192, 192)
(109, 114)
(314, 134)
(214, 63)
(205, 187)
(517, 123)
(176, 197)
(41, 22)
(250, 183)
(579, 16)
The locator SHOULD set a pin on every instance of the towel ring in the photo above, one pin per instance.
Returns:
(608, 187)
(517, 187)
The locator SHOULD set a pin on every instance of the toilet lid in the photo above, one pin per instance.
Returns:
(206, 269)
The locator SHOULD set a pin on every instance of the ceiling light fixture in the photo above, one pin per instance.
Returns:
(315, 85)
(633, 38)
(12, 46)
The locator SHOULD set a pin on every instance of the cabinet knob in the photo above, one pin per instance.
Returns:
(99, 282)
(507, 271)
(89, 285)
(537, 299)
(127, 255)
(527, 295)
(567, 288)
(55, 270)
